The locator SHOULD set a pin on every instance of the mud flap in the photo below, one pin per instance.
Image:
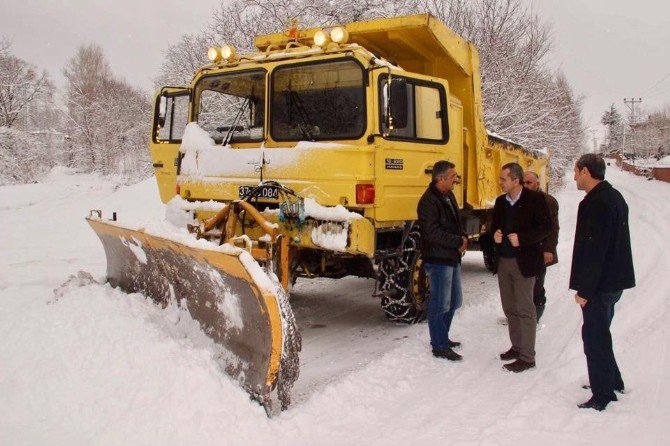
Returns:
(253, 326)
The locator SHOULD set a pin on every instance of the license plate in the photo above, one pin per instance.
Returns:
(269, 192)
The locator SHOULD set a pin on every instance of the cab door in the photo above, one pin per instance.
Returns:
(171, 114)
(407, 150)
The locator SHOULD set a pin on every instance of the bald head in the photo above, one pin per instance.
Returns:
(531, 180)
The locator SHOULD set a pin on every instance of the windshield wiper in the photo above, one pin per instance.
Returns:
(305, 121)
(238, 117)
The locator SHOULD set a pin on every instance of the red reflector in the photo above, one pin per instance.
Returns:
(177, 189)
(365, 193)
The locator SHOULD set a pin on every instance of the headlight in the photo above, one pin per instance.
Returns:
(339, 35)
(214, 54)
(321, 38)
(228, 52)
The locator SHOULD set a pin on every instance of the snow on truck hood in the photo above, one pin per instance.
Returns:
(205, 160)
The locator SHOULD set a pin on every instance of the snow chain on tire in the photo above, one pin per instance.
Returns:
(403, 283)
(488, 250)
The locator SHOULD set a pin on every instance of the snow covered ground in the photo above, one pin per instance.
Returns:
(91, 365)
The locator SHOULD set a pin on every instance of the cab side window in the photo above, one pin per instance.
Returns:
(422, 115)
(171, 117)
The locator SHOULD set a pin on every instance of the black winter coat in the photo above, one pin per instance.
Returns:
(440, 227)
(550, 243)
(531, 224)
(602, 259)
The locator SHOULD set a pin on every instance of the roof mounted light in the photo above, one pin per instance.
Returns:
(214, 54)
(339, 35)
(228, 52)
(321, 38)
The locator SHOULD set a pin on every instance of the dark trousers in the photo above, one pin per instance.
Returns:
(516, 296)
(539, 295)
(604, 374)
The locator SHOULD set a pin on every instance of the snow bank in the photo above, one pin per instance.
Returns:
(98, 366)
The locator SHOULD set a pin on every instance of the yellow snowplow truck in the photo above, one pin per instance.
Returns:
(307, 159)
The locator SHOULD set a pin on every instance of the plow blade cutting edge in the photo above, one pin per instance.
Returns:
(251, 322)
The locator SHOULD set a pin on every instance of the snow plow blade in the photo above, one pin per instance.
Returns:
(253, 325)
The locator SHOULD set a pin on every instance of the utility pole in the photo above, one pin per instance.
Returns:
(630, 103)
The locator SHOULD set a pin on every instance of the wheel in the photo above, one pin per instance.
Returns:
(404, 284)
(488, 250)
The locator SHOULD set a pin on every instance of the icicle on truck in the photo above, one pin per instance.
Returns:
(307, 159)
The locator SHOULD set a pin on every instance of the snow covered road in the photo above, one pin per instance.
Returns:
(95, 366)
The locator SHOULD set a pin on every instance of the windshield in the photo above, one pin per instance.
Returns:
(231, 107)
(317, 101)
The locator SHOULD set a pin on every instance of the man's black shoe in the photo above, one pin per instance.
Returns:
(454, 344)
(447, 354)
(509, 355)
(620, 390)
(519, 366)
(594, 403)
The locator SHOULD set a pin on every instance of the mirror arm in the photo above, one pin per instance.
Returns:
(389, 118)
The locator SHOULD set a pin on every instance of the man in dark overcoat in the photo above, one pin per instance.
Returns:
(602, 267)
(532, 182)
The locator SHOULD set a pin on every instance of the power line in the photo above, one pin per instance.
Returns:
(657, 93)
(667, 75)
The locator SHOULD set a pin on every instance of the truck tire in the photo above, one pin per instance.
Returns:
(488, 250)
(403, 283)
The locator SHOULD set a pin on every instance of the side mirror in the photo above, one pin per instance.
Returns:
(398, 103)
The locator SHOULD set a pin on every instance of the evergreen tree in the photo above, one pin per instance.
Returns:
(612, 120)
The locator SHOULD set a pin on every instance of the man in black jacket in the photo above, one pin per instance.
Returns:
(442, 243)
(520, 225)
(602, 267)
(532, 182)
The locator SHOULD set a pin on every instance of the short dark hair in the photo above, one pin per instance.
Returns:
(440, 168)
(595, 164)
(515, 171)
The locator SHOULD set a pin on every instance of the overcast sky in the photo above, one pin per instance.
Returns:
(609, 49)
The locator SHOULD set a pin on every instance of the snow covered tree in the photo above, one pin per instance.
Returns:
(563, 131)
(21, 86)
(183, 58)
(108, 120)
(649, 138)
(29, 140)
(612, 120)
